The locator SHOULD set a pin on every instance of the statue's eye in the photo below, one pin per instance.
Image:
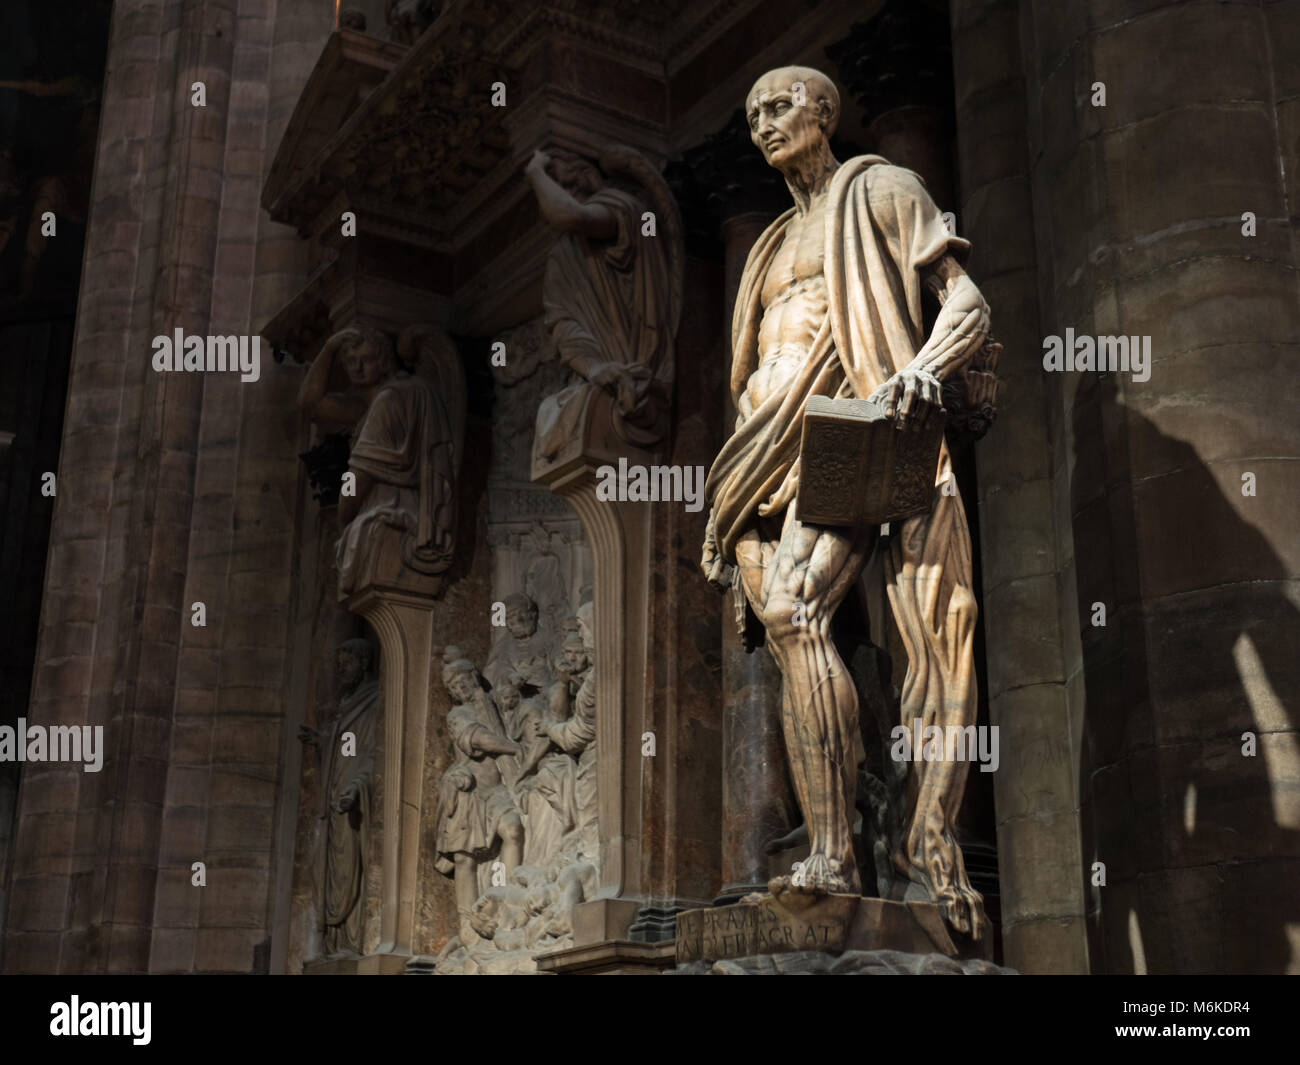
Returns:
(782, 106)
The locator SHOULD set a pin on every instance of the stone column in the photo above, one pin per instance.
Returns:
(619, 537)
(404, 624)
(1167, 213)
(756, 804)
(897, 65)
(725, 184)
(1026, 552)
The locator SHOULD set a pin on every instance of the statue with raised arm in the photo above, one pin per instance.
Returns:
(612, 294)
(830, 305)
(397, 512)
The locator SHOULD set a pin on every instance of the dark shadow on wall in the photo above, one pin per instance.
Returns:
(51, 69)
(1199, 873)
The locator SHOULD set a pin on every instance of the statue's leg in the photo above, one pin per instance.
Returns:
(804, 577)
(466, 881)
(928, 575)
(511, 830)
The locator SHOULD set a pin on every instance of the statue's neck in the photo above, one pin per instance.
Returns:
(809, 178)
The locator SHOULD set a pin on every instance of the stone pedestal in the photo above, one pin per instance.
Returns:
(828, 924)
(609, 958)
(850, 963)
(369, 965)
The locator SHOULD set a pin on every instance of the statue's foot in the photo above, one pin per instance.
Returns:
(960, 904)
(963, 908)
(816, 875)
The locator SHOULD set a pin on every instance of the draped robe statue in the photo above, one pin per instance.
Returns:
(611, 295)
(399, 519)
(830, 305)
(346, 794)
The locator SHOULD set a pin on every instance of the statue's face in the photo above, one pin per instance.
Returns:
(574, 177)
(365, 365)
(576, 657)
(783, 130)
(462, 687)
(348, 670)
(520, 622)
(509, 699)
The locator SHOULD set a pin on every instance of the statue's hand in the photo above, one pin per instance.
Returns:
(717, 570)
(908, 396)
(348, 799)
(537, 164)
(607, 375)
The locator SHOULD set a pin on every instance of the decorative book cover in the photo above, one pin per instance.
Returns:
(856, 468)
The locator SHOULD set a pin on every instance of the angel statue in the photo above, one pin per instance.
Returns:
(406, 411)
(612, 293)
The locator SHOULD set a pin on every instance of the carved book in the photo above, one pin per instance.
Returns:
(856, 468)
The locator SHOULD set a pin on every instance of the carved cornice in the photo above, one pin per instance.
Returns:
(351, 65)
(515, 38)
(422, 138)
(300, 327)
(899, 58)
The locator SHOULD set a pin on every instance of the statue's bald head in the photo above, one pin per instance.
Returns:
(816, 90)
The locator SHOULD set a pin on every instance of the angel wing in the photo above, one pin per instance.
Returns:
(624, 161)
(432, 356)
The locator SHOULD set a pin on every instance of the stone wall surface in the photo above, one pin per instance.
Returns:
(176, 488)
(1139, 231)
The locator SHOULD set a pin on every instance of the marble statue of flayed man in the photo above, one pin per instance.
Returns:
(611, 291)
(407, 424)
(830, 304)
(348, 765)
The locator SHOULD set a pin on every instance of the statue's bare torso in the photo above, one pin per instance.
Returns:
(794, 304)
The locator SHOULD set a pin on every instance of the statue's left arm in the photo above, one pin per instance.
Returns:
(961, 327)
(918, 239)
(963, 320)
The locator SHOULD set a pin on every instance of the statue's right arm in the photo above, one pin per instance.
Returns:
(313, 394)
(565, 213)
